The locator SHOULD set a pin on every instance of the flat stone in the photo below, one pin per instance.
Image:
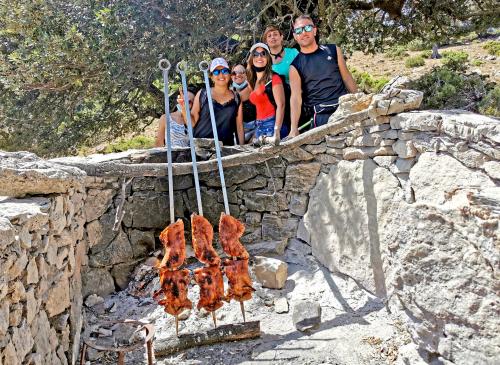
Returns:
(16, 314)
(41, 329)
(281, 305)
(7, 233)
(384, 161)
(402, 165)
(142, 242)
(327, 159)
(22, 340)
(18, 266)
(93, 299)
(335, 141)
(267, 248)
(302, 177)
(31, 213)
(265, 201)
(257, 182)
(97, 281)
(316, 149)
(149, 209)
(97, 203)
(9, 354)
(57, 218)
(270, 272)
(252, 218)
(298, 204)
(100, 232)
(416, 121)
(4, 317)
(31, 305)
(306, 316)
(32, 272)
(367, 140)
(58, 297)
(297, 154)
(492, 168)
(121, 274)
(404, 149)
(118, 251)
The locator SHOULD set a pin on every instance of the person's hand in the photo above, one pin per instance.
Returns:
(180, 99)
(294, 132)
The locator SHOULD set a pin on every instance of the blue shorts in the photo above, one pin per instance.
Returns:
(265, 127)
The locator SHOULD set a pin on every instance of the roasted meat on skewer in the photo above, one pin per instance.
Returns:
(174, 242)
(202, 236)
(230, 231)
(211, 287)
(174, 286)
(240, 284)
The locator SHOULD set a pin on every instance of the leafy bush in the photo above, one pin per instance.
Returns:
(477, 62)
(397, 52)
(490, 104)
(414, 61)
(138, 142)
(446, 88)
(367, 82)
(419, 45)
(493, 47)
(455, 60)
(426, 54)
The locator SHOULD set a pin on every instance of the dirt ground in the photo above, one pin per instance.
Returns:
(356, 328)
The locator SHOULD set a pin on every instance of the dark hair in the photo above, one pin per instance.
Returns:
(270, 28)
(303, 17)
(252, 75)
(173, 98)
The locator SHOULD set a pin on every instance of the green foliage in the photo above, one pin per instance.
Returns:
(397, 52)
(367, 82)
(477, 62)
(419, 45)
(426, 54)
(493, 47)
(490, 104)
(455, 60)
(138, 142)
(414, 61)
(446, 88)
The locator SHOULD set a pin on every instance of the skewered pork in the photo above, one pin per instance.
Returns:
(203, 235)
(240, 284)
(174, 242)
(230, 231)
(211, 287)
(174, 286)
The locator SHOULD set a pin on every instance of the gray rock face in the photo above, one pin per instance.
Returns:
(150, 209)
(347, 209)
(97, 281)
(7, 235)
(301, 177)
(306, 316)
(118, 251)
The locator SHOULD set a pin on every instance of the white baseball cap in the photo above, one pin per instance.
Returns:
(216, 62)
(261, 45)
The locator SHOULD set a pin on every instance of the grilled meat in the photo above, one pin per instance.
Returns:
(174, 242)
(211, 287)
(202, 236)
(240, 284)
(173, 292)
(230, 231)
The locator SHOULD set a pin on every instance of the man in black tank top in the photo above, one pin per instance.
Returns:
(318, 76)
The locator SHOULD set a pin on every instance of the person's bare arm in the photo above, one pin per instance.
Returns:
(239, 125)
(295, 101)
(349, 82)
(160, 133)
(279, 99)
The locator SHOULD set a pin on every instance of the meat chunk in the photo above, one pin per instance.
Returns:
(173, 292)
(240, 284)
(203, 235)
(230, 231)
(174, 242)
(211, 287)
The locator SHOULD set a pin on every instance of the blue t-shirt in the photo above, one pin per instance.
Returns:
(283, 68)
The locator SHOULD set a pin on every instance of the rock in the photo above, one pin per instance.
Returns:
(302, 177)
(417, 121)
(344, 224)
(9, 355)
(298, 204)
(211, 206)
(41, 329)
(404, 149)
(16, 314)
(316, 149)
(31, 305)
(7, 235)
(257, 182)
(30, 213)
(97, 203)
(395, 101)
(118, 251)
(281, 305)
(402, 165)
(492, 168)
(58, 297)
(298, 246)
(353, 103)
(397, 82)
(22, 340)
(434, 176)
(18, 266)
(97, 281)
(264, 201)
(306, 316)
(57, 217)
(93, 299)
(384, 161)
(367, 140)
(142, 242)
(252, 218)
(121, 274)
(335, 141)
(297, 154)
(267, 248)
(24, 173)
(147, 209)
(271, 273)
(4, 317)
(100, 232)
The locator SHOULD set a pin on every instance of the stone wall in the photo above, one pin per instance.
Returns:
(397, 200)
(41, 253)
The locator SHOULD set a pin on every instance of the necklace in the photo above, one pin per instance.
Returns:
(278, 54)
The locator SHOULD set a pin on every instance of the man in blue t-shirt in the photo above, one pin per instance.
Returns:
(318, 76)
(282, 57)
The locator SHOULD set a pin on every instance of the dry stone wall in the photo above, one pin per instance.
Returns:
(406, 203)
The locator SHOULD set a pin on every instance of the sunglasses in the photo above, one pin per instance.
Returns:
(306, 28)
(259, 54)
(224, 71)
(234, 73)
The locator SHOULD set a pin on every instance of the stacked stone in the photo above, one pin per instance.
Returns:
(41, 241)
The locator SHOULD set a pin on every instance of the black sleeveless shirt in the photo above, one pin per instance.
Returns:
(320, 75)
(225, 118)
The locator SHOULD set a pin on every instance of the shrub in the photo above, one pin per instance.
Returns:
(367, 82)
(138, 142)
(426, 54)
(419, 45)
(477, 62)
(455, 60)
(397, 52)
(415, 61)
(490, 104)
(446, 88)
(493, 47)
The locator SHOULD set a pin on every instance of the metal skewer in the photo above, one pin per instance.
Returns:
(214, 318)
(181, 69)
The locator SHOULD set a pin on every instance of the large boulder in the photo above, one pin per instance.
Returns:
(346, 213)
